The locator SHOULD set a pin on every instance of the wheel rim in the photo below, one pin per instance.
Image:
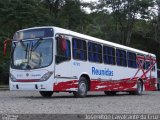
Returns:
(82, 88)
(139, 88)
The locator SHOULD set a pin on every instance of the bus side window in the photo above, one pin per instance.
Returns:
(121, 57)
(63, 55)
(154, 68)
(144, 65)
(147, 65)
(90, 53)
(142, 62)
(94, 52)
(79, 49)
(109, 55)
(131, 58)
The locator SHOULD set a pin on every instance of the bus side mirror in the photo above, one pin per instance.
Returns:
(63, 47)
(7, 41)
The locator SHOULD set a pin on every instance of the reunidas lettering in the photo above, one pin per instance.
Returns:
(103, 72)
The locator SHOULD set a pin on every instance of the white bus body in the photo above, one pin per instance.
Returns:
(101, 65)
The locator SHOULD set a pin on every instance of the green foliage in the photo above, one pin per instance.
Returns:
(125, 13)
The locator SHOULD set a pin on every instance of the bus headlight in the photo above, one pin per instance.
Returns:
(12, 78)
(46, 76)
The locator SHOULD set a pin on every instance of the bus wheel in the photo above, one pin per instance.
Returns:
(46, 93)
(139, 89)
(158, 87)
(109, 93)
(82, 88)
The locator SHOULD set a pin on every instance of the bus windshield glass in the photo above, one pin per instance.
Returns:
(33, 33)
(32, 54)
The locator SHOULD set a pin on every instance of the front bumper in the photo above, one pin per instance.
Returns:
(33, 86)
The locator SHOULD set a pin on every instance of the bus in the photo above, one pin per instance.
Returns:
(51, 59)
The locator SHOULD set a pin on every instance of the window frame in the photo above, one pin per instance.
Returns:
(56, 49)
(144, 65)
(113, 48)
(121, 57)
(85, 51)
(132, 59)
(95, 52)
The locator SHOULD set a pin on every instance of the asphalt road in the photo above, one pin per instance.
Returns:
(24, 102)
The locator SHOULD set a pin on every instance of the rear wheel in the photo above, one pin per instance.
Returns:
(82, 88)
(46, 93)
(110, 93)
(139, 89)
(158, 87)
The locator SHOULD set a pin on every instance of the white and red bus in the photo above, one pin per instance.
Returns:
(51, 59)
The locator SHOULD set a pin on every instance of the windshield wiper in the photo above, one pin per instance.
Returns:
(36, 44)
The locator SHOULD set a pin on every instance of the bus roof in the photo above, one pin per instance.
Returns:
(72, 33)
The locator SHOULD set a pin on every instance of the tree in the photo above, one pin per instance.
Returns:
(23, 13)
(73, 17)
(15, 15)
(54, 6)
(158, 20)
(125, 12)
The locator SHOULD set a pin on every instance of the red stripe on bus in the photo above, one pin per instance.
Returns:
(28, 80)
(127, 84)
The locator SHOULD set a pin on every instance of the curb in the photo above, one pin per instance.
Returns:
(4, 87)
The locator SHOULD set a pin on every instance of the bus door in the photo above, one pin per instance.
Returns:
(62, 57)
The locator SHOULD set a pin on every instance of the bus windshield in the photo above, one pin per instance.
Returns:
(33, 33)
(32, 54)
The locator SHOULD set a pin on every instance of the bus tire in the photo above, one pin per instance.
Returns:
(158, 87)
(139, 89)
(82, 88)
(110, 93)
(46, 94)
